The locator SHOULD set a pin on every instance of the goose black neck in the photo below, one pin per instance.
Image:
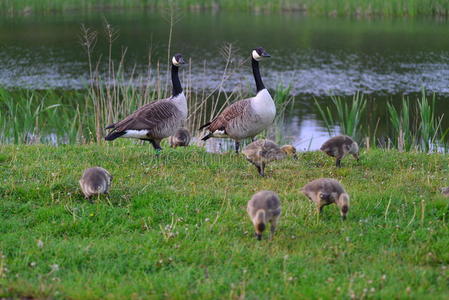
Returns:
(256, 73)
(177, 89)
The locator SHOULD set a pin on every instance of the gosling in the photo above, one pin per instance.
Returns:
(262, 152)
(445, 191)
(325, 191)
(339, 147)
(181, 138)
(290, 151)
(95, 181)
(264, 207)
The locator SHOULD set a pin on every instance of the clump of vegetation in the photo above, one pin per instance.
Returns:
(418, 131)
(176, 225)
(424, 133)
(347, 116)
(48, 116)
(357, 8)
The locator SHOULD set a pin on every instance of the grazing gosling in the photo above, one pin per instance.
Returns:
(445, 191)
(181, 138)
(290, 151)
(262, 152)
(264, 207)
(95, 181)
(339, 147)
(325, 191)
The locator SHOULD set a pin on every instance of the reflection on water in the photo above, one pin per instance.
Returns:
(316, 56)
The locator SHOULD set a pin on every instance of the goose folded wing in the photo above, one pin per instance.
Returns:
(148, 116)
(231, 112)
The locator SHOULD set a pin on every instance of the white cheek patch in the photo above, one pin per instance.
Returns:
(138, 134)
(175, 62)
(256, 55)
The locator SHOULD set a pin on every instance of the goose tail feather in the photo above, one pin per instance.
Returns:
(205, 125)
(207, 136)
(113, 135)
(110, 126)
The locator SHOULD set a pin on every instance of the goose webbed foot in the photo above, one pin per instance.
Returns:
(260, 170)
(156, 145)
(237, 147)
(338, 163)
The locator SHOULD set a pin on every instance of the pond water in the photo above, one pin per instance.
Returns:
(318, 57)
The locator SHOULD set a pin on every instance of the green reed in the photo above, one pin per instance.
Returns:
(430, 124)
(43, 117)
(347, 116)
(401, 126)
(424, 133)
(359, 8)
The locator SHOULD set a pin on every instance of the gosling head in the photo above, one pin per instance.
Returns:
(260, 228)
(354, 150)
(290, 151)
(177, 60)
(259, 221)
(259, 53)
(343, 205)
(95, 181)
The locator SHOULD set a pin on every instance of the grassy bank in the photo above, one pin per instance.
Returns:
(313, 7)
(175, 226)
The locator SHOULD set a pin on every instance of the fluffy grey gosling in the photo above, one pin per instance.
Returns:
(325, 191)
(445, 191)
(264, 207)
(181, 138)
(262, 152)
(339, 147)
(95, 181)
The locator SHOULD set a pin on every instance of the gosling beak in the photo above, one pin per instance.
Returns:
(265, 54)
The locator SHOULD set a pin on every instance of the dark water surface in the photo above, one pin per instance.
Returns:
(384, 58)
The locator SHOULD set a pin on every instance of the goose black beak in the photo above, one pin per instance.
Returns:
(265, 54)
(343, 218)
(182, 61)
(258, 236)
(295, 156)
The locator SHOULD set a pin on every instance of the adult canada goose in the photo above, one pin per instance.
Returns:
(156, 120)
(95, 181)
(181, 138)
(339, 147)
(245, 118)
(264, 207)
(325, 191)
(262, 152)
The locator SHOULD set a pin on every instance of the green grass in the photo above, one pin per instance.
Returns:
(314, 7)
(176, 227)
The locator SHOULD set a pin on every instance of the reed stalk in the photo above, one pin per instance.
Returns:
(347, 117)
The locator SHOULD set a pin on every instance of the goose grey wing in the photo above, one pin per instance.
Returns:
(149, 116)
(233, 111)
